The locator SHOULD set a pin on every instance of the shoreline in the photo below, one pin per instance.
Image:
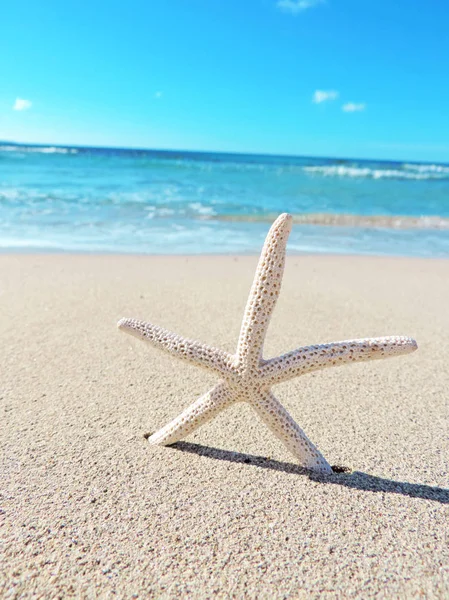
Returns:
(196, 237)
(89, 508)
(355, 221)
(312, 255)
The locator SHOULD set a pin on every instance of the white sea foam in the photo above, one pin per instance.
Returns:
(367, 173)
(165, 212)
(427, 168)
(9, 194)
(52, 150)
(213, 239)
(202, 210)
(10, 148)
(39, 150)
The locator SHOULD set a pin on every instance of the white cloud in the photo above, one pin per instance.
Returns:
(351, 107)
(158, 95)
(323, 95)
(21, 104)
(296, 6)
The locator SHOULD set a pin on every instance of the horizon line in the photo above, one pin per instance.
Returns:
(225, 152)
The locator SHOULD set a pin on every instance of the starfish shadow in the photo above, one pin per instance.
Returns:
(341, 476)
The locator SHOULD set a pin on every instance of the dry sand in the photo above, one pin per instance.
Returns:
(89, 509)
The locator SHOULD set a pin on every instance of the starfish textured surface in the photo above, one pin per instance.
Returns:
(246, 376)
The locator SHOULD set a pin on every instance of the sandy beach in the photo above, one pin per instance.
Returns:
(89, 509)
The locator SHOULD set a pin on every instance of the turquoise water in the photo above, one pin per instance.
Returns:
(105, 200)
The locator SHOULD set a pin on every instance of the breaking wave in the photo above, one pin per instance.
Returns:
(427, 168)
(407, 171)
(38, 149)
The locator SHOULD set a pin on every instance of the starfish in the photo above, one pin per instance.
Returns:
(246, 376)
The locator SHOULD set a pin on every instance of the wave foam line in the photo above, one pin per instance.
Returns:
(38, 149)
(346, 220)
(422, 173)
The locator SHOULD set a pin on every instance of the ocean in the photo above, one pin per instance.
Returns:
(169, 202)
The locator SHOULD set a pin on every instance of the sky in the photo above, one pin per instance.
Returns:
(339, 78)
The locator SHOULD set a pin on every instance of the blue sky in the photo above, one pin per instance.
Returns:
(349, 78)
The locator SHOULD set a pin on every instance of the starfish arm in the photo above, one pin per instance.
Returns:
(278, 420)
(264, 292)
(199, 413)
(191, 351)
(312, 358)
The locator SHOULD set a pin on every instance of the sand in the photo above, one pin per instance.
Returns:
(89, 509)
